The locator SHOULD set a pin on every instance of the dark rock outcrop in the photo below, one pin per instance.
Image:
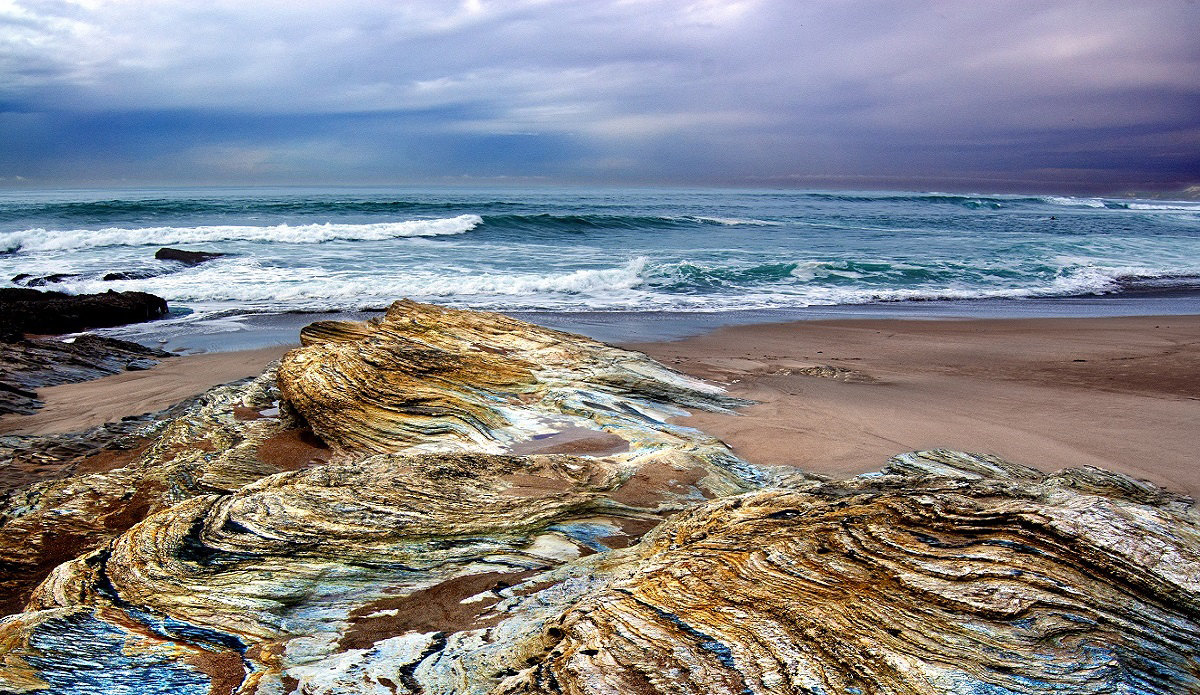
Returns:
(188, 257)
(129, 275)
(26, 366)
(10, 333)
(32, 311)
(27, 280)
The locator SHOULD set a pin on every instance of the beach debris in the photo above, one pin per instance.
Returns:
(730, 370)
(413, 551)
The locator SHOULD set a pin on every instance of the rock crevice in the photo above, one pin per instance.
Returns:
(421, 545)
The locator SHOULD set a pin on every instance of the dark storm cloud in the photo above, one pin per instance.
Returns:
(1085, 95)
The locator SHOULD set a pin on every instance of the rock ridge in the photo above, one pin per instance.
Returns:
(407, 544)
(51, 313)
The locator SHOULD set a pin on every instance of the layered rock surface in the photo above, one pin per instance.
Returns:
(452, 502)
(28, 365)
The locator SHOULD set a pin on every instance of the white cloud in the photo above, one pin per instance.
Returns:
(826, 73)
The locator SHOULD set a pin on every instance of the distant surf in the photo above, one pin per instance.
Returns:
(41, 239)
(596, 249)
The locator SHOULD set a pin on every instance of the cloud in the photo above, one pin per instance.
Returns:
(628, 90)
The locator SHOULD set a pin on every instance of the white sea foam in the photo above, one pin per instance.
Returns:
(54, 240)
(709, 254)
(808, 270)
(1075, 202)
(1084, 280)
(625, 277)
(734, 221)
(813, 270)
(247, 281)
(1099, 203)
(1165, 206)
(248, 285)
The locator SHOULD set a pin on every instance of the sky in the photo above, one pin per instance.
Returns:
(1097, 96)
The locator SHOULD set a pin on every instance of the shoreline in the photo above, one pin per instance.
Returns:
(218, 329)
(79, 406)
(1117, 392)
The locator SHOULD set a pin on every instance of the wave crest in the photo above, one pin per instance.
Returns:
(45, 240)
(640, 284)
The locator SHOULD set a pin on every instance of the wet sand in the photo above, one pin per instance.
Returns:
(75, 407)
(1119, 393)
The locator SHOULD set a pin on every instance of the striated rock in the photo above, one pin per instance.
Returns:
(432, 378)
(296, 554)
(947, 573)
(394, 514)
(937, 575)
(27, 459)
(293, 563)
(66, 495)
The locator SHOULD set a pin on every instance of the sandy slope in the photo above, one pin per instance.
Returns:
(1120, 393)
(73, 407)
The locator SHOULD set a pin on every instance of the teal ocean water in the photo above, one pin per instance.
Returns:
(615, 251)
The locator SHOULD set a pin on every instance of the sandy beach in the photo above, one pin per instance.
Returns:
(75, 407)
(1119, 393)
(840, 397)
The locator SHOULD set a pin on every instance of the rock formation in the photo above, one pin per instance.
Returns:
(452, 502)
(27, 280)
(131, 275)
(430, 378)
(27, 365)
(947, 573)
(32, 311)
(186, 257)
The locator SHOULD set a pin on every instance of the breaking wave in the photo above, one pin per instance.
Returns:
(602, 249)
(46, 240)
(640, 283)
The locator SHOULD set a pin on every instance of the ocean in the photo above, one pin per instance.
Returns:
(603, 261)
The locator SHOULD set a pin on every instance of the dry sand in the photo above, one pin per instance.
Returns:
(74, 407)
(1119, 393)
